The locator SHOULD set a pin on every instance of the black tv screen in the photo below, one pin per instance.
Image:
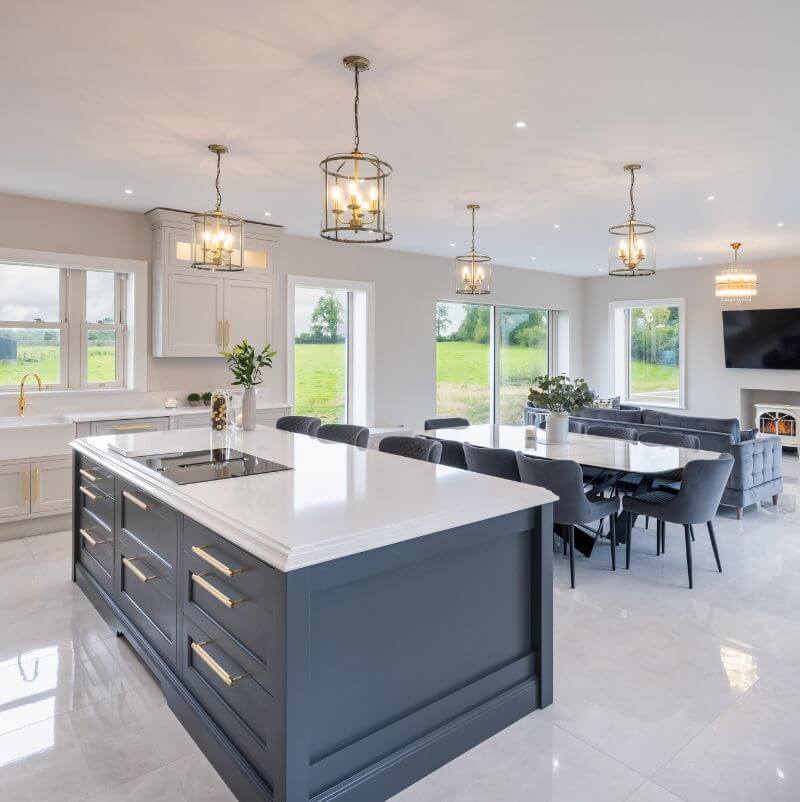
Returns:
(767, 339)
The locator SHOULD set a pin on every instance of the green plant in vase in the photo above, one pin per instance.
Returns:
(246, 365)
(193, 399)
(562, 396)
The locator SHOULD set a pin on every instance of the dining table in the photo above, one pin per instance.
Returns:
(607, 454)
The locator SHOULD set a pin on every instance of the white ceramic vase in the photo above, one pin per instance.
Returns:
(557, 427)
(249, 409)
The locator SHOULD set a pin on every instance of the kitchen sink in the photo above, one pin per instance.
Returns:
(35, 436)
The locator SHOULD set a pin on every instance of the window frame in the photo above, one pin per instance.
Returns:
(119, 327)
(132, 303)
(620, 342)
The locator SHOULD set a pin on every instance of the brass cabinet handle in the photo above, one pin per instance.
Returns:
(134, 500)
(220, 336)
(129, 563)
(200, 579)
(88, 493)
(227, 678)
(90, 476)
(227, 330)
(92, 541)
(37, 484)
(26, 486)
(200, 551)
(134, 427)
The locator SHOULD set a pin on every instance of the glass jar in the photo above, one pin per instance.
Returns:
(235, 409)
(219, 410)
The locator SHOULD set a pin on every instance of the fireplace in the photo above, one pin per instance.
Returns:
(781, 420)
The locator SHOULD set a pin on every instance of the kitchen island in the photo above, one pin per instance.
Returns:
(332, 630)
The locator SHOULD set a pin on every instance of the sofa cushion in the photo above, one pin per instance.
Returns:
(618, 415)
(726, 425)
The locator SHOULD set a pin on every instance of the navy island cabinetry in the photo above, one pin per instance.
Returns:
(333, 670)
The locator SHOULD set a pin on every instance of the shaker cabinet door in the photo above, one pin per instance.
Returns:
(194, 315)
(51, 485)
(248, 312)
(15, 490)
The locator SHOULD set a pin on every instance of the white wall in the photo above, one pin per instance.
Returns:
(711, 388)
(406, 289)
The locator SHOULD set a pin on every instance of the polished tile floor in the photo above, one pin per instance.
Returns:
(662, 694)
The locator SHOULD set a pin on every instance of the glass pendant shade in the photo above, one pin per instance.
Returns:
(355, 187)
(736, 284)
(473, 270)
(632, 245)
(217, 236)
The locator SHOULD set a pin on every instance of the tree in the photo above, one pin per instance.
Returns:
(325, 318)
(475, 325)
(442, 320)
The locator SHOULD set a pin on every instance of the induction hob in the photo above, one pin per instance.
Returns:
(209, 465)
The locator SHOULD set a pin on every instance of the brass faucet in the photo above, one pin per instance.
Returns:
(21, 401)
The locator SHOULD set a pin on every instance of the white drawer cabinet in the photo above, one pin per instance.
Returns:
(193, 421)
(130, 426)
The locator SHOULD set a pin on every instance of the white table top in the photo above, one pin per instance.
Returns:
(339, 500)
(595, 452)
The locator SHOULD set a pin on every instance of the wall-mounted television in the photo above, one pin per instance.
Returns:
(766, 339)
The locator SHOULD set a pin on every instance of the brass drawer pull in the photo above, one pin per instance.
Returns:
(200, 551)
(90, 476)
(134, 500)
(229, 680)
(134, 427)
(136, 571)
(200, 579)
(92, 541)
(88, 493)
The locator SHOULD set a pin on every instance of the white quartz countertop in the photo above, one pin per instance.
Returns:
(337, 501)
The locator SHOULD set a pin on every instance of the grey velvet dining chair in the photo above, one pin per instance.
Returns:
(299, 424)
(426, 449)
(574, 506)
(344, 433)
(615, 432)
(500, 462)
(452, 452)
(696, 502)
(445, 423)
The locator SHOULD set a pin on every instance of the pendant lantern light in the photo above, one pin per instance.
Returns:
(632, 245)
(217, 240)
(735, 284)
(354, 185)
(473, 271)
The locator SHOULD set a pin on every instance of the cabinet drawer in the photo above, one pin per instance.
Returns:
(237, 703)
(146, 593)
(130, 426)
(96, 502)
(95, 549)
(227, 588)
(150, 522)
(94, 476)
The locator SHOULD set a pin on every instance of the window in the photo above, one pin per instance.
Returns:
(647, 352)
(486, 357)
(66, 324)
(329, 361)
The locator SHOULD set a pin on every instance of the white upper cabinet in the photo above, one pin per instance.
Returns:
(197, 313)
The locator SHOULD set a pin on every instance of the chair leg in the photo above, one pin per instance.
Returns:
(663, 537)
(571, 531)
(646, 521)
(628, 538)
(658, 537)
(714, 545)
(691, 532)
(739, 511)
(688, 538)
(775, 498)
(612, 525)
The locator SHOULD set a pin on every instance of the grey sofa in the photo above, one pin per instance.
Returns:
(757, 473)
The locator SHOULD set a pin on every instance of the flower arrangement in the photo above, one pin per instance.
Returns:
(560, 393)
(246, 363)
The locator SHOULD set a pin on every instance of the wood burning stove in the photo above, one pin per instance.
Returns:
(780, 420)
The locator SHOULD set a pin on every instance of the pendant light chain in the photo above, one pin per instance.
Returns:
(473, 230)
(633, 206)
(355, 111)
(216, 182)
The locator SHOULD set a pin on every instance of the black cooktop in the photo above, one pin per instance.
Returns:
(209, 465)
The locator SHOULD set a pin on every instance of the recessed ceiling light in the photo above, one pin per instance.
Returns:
(556, 225)
(520, 124)
(129, 192)
(599, 269)
(452, 245)
(711, 197)
(267, 214)
(699, 258)
(780, 225)
(533, 258)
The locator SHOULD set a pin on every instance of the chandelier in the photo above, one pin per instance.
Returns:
(632, 245)
(354, 186)
(734, 284)
(473, 271)
(217, 241)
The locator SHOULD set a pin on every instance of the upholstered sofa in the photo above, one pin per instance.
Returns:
(757, 473)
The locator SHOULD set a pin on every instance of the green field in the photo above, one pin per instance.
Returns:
(43, 359)
(462, 380)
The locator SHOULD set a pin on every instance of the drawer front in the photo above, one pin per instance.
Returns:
(95, 476)
(227, 588)
(94, 501)
(150, 522)
(146, 593)
(96, 540)
(130, 426)
(238, 704)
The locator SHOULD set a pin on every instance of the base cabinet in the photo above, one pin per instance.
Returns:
(40, 487)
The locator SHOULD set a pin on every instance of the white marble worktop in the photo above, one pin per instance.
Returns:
(339, 500)
(585, 449)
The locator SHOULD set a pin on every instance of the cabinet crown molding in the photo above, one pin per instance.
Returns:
(176, 218)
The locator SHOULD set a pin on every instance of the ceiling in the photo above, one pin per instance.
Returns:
(101, 96)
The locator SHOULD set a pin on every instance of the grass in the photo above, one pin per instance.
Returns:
(43, 359)
(319, 380)
(647, 377)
